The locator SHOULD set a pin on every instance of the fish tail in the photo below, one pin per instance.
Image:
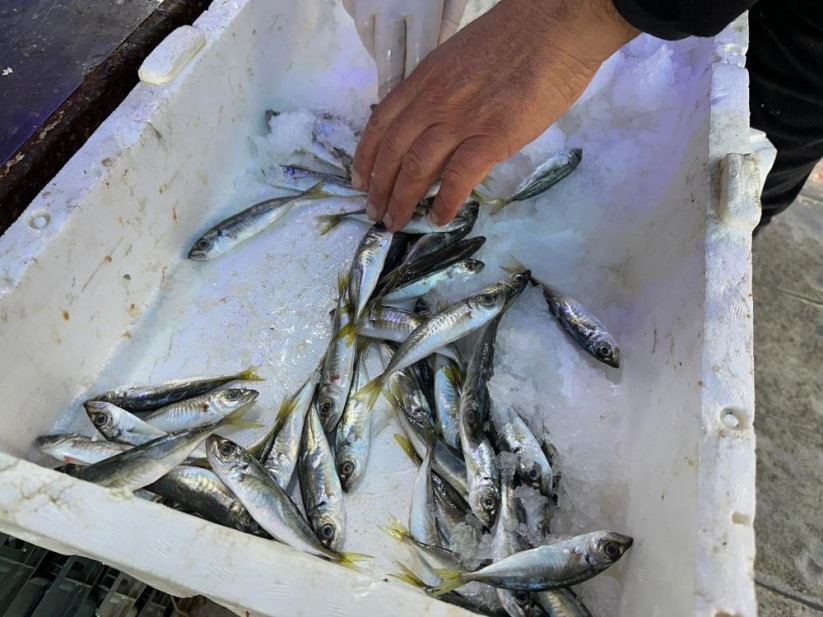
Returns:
(408, 448)
(452, 579)
(250, 374)
(349, 332)
(370, 392)
(408, 577)
(397, 530)
(329, 222)
(389, 282)
(317, 192)
(350, 560)
(453, 373)
(236, 420)
(496, 205)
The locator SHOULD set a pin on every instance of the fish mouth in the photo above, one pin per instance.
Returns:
(94, 405)
(197, 255)
(576, 155)
(614, 359)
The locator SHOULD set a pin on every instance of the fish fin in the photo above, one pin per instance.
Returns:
(389, 282)
(408, 448)
(479, 197)
(452, 579)
(513, 266)
(350, 560)
(397, 530)
(409, 577)
(496, 205)
(343, 280)
(329, 221)
(370, 392)
(236, 420)
(488, 181)
(200, 461)
(250, 374)
(349, 331)
(454, 373)
(316, 191)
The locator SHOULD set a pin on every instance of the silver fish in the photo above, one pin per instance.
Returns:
(420, 222)
(200, 491)
(513, 435)
(447, 386)
(367, 266)
(145, 464)
(432, 243)
(338, 364)
(201, 410)
(281, 459)
(506, 541)
(267, 503)
(233, 231)
(545, 176)
(482, 474)
(432, 555)
(447, 326)
(474, 394)
(561, 603)
(78, 449)
(548, 567)
(459, 272)
(319, 485)
(116, 424)
(149, 398)
(422, 520)
(353, 437)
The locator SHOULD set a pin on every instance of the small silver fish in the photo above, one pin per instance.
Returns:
(445, 461)
(201, 410)
(457, 273)
(116, 424)
(388, 323)
(353, 438)
(145, 464)
(319, 484)
(367, 266)
(545, 176)
(233, 231)
(267, 503)
(506, 541)
(548, 567)
(338, 364)
(149, 398)
(474, 393)
(447, 326)
(281, 459)
(447, 386)
(78, 449)
(513, 435)
(422, 518)
(482, 474)
(200, 490)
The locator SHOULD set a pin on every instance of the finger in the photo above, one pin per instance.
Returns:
(421, 35)
(469, 165)
(381, 119)
(389, 50)
(452, 16)
(396, 143)
(418, 171)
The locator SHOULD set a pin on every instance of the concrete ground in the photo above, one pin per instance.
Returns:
(788, 338)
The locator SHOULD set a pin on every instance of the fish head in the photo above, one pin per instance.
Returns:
(468, 212)
(491, 300)
(101, 416)
(48, 443)
(328, 408)
(422, 308)
(486, 500)
(328, 530)
(349, 469)
(234, 398)
(516, 283)
(471, 413)
(532, 474)
(207, 247)
(472, 266)
(224, 455)
(604, 348)
(606, 547)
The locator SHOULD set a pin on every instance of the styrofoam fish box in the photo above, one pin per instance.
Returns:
(652, 232)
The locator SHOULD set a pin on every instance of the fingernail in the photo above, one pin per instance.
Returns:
(387, 220)
(371, 211)
(434, 218)
(356, 181)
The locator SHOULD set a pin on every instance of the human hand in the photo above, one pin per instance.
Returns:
(398, 34)
(479, 98)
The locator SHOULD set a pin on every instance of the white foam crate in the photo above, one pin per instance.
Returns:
(95, 291)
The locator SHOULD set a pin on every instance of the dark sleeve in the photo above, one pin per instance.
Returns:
(677, 19)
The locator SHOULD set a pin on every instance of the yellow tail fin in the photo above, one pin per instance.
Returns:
(513, 266)
(250, 374)
(408, 448)
(397, 530)
(369, 393)
(235, 419)
(409, 577)
(452, 579)
(350, 560)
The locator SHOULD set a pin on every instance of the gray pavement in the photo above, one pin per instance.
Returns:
(788, 337)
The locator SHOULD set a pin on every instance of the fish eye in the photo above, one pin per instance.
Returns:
(419, 411)
(99, 419)
(603, 350)
(611, 550)
(227, 448)
(488, 503)
(487, 299)
(327, 531)
(471, 264)
(471, 415)
(346, 469)
(233, 394)
(325, 408)
(532, 474)
(521, 597)
(203, 244)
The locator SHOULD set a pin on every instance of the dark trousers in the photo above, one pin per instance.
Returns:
(785, 63)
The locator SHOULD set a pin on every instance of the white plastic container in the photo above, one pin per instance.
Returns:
(95, 292)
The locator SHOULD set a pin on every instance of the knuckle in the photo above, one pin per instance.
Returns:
(414, 167)
(390, 148)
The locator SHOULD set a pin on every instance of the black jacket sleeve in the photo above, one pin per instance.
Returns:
(677, 19)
